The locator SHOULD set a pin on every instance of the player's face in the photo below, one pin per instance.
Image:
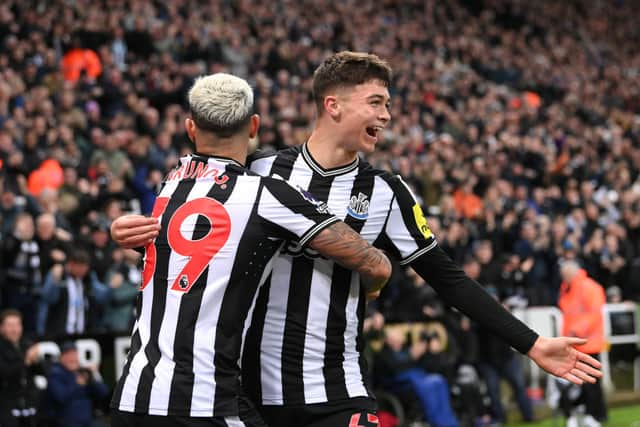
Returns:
(365, 112)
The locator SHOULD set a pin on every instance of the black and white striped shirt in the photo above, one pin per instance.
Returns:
(305, 340)
(221, 227)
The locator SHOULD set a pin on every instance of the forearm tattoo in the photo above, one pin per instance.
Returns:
(341, 242)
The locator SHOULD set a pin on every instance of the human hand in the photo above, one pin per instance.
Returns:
(58, 255)
(559, 357)
(82, 377)
(83, 186)
(63, 235)
(31, 355)
(527, 264)
(132, 231)
(57, 270)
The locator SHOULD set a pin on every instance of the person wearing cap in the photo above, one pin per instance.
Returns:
(72, 390)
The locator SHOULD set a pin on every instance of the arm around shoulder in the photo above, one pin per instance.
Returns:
(349, 249)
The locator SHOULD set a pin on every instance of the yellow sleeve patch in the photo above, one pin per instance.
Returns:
(421, 222)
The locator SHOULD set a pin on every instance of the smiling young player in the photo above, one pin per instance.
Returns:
(221, 227)
(302, 356)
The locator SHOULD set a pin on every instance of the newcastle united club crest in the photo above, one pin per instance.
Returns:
(359, 206)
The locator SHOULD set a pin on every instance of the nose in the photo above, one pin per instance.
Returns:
(385, 116)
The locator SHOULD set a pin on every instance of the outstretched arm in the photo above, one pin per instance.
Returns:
(342, 243)
(559, 357)
(555, 355)
(134, 231)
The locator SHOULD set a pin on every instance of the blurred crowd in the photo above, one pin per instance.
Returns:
(516, 123)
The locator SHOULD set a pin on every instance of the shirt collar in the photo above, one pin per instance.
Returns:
(306, 155)
(220, 159)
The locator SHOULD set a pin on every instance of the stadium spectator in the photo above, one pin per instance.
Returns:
(400, 365)
(509, 110)
(18, 358)
(20, 277)
(99, 246)
(536, 104)
(581, 301)
(73, 391)
(496, 361)
(123, 278)
(73, 298)
(52, 241)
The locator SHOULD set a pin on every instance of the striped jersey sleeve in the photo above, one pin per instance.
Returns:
(260, 163)
(407, 232)
(295, 211)
(221, 228)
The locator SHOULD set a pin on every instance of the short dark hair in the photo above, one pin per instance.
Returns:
(79, 256)
(8, 312)
(345, 69)
(67, 345)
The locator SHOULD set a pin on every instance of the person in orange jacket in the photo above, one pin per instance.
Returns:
(581, 301)
(78, 59)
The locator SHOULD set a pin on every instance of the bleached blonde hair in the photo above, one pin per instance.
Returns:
(221, 103)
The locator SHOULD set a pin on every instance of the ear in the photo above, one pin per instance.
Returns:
(332, 106)
(190, 127)
(254, 125)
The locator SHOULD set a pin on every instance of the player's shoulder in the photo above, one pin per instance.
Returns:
(271, 155)
(259, 155)
(386, 177)
(249, 173)
(274, 182)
